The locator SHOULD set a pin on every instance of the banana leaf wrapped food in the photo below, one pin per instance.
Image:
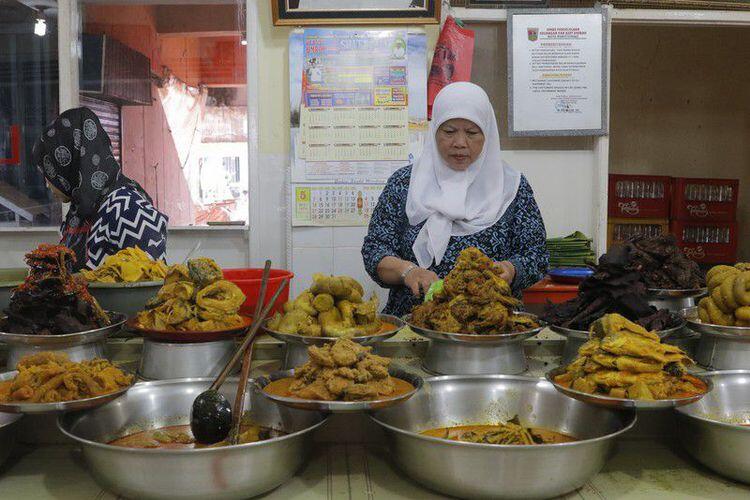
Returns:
(195, 297)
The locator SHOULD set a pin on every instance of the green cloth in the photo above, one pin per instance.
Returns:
(573, 250)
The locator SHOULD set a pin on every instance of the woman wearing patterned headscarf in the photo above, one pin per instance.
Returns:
(108, 211)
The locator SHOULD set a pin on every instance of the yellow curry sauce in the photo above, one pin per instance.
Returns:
(179, 437)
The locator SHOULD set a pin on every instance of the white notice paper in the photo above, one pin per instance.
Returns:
(558, 77)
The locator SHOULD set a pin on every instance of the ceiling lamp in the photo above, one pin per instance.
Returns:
(40, 26)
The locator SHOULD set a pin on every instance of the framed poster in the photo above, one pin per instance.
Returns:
(557, 72)
(321, 12)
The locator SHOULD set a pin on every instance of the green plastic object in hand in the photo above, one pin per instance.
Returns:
(436, 287)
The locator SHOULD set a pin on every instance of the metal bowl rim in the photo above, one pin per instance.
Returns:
(160, 451)
(64, 406)
(491, 339)
(628, 403)
(12, 419)
(294, 338)
(124, 285)
(27, 338)
(711, 375)
(340, 406)
(681, 293)
(663, 334)
(724, 331)
(630, 413)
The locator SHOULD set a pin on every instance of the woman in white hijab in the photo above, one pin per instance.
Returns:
(458, 194)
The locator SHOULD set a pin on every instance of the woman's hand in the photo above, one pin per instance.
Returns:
(508, 271)
(418, 280)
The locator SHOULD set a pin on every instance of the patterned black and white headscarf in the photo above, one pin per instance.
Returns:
(75, 155)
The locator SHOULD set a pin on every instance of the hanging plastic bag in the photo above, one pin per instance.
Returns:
(452, 59)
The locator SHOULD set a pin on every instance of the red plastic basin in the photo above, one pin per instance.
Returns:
(249, 279)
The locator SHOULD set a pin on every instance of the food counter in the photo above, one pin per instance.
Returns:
(350, 458)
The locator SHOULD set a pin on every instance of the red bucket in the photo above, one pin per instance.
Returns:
(249, 282)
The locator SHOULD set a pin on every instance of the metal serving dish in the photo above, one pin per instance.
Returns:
(10, 278)
(129, 298)
(340, 406)
(79, 346)
(674, 300)
(171, 360)
(710, 431)
(720, 347)
(470, 470)
(61, 406)
(466, 354)
(295, 351)
(7, 435)
(576, 338)
(240, 471)
(622, 403)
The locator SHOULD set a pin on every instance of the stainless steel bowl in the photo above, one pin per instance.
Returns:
(710, 431)
(129, 298)
(295, 347)
(171, 360)
(239, 471)
(720, 347)
(469, 470)
(7, 435)
(674, 300)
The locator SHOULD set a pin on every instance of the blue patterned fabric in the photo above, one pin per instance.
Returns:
(519, 237)
(126, 219)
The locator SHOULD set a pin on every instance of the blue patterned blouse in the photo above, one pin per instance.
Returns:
(519, 237)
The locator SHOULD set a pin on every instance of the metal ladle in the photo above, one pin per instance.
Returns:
(211, 414)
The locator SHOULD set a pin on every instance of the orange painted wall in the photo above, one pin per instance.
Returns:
(148, 151)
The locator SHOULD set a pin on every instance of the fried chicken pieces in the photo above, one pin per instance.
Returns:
(195, 297)
(49, 377)
(331, 307)
(342, 371)
(474, 300)
(624, 360)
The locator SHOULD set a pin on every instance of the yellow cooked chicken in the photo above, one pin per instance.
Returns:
(127, 266)
(624, 360)
(331, 307)
(474, 300)
(195, 297)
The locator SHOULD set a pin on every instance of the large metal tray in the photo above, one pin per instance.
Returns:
(583, 334)
(321, 341)
(68, 339)
(677, 293)
(625, 404)
(467, 338)
(340, 406)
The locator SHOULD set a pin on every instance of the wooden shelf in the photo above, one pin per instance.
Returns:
(632, 16)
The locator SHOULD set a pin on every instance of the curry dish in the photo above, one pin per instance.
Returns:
(50, 377)
(511, 432)
(180, 437)
(332, 307)
(624, 360)
(127, 266)
(195, 297)
(474, 300)
(341, 371)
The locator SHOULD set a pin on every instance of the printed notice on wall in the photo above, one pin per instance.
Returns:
(333, 205)
(557, 71)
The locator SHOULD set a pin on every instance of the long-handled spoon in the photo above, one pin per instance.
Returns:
(211, 414)
(239, 399)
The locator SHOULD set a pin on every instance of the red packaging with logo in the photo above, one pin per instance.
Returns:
(707, 242)
(452, 59)
(639, 196)
(705, 199)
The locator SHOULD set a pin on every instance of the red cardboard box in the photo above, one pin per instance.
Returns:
(639, 196)
(707, 242)
(712, 200)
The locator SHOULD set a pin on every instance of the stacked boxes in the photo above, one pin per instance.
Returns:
(701, 213)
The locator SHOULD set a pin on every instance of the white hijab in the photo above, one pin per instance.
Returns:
(458, 203)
